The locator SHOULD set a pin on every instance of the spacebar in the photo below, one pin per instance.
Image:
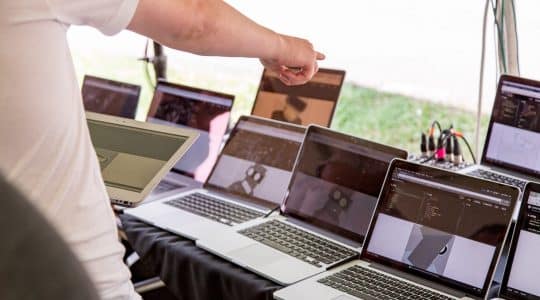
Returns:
(275, 245)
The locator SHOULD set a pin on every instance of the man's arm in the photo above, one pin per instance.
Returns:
(212, 27)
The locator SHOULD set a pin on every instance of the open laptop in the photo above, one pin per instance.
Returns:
(522, 273)
(110, 97)
(204, 111)
(248, 181)
(311, 103)
(134, 156)
(511, 149)
(331, 198)
(435, 234)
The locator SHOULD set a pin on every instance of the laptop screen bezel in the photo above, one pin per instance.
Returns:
(474, 183)
(115, 83)
(162, 82)
(485, 160)
(314, 129)
(531, 187)
(258, 120)
(321, 70)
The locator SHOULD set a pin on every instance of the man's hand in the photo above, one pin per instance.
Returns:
(294, 60)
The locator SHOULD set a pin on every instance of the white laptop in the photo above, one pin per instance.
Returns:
(249, 180)
(522, 273)
(311, 103)
(134, 156)
(204, 111)
(511, 153)
(330, 201)
(434, 235)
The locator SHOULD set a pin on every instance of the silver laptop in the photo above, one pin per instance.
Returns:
(204, 111)
(110, 97)
(310, 103)
(249, 180)
(330, 201)
(131, 163)
(511, 153)
(434, 235)
(522, 273)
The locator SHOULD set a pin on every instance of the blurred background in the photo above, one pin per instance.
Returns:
(408, 62)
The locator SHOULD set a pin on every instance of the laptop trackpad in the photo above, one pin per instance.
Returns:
(255, 255)
(343, 297)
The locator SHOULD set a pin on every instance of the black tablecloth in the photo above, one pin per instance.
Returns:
(192, 273)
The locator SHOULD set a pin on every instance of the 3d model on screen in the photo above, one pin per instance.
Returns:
(254, 176)
(428, 249)
(337, 204)
(291, 111)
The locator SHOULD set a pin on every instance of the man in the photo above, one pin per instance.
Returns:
(45, 148)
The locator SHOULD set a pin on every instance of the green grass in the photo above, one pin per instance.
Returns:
(379, 116)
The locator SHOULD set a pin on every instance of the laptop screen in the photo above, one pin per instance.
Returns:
(257, 161)
(311, 103)
(523, 267)
(205, 111)
(514, 131)
(110, 97)
(127, 155)
(442, 226)
(337, 180)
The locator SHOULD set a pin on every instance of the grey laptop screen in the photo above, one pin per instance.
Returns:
(128, 156)
(110, 97)
(257, 161)
(439, 225)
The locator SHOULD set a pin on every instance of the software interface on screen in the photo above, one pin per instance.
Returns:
(439, 228)
(110, 97)
(128, 157)
(515, 133)
(523, 280)
(207, 113)
(312, 103)
(257, 161)
(336, 183)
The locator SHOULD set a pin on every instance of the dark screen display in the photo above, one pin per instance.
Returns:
(311, 103)
(337, 180)
(444, 226)
(110, 97)
(523, 267)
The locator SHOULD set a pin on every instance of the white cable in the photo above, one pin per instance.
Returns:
(481, 81)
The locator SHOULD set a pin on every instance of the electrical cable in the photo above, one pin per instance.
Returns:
(147, 62)
(468, 146)
(512, 3)
(438, 125)
(481, 79)
(432, 156)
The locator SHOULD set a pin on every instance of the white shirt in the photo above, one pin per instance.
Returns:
(45, 148)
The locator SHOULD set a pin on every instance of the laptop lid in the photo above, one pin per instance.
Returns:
(134, 156)
(444, 227)
(311, 103)
(257, 161)
(513, 136)
(110, 97)
(207, 112)
(522, 271)
(336, 181)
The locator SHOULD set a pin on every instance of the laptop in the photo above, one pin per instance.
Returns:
(311, 103)
(331, 198)
(110, 97)
(131, 165)
(511, 149)
(435, 234)
(204, 111)
(248, 181)
(520, 281)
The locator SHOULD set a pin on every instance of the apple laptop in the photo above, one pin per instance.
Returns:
(110, 97)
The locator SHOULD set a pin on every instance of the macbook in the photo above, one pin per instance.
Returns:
(522, 271)
(204, 111)
(434, 235)
(331, 198)
(248, 181)
(131, 163)
(110, 97)
(311, 103)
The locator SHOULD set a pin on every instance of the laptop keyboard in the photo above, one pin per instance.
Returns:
(165, 186)
(499, 178)
(368, 284)
(298, 243)
(215, 209)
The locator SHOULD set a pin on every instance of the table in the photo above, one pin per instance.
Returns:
(191, 273)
